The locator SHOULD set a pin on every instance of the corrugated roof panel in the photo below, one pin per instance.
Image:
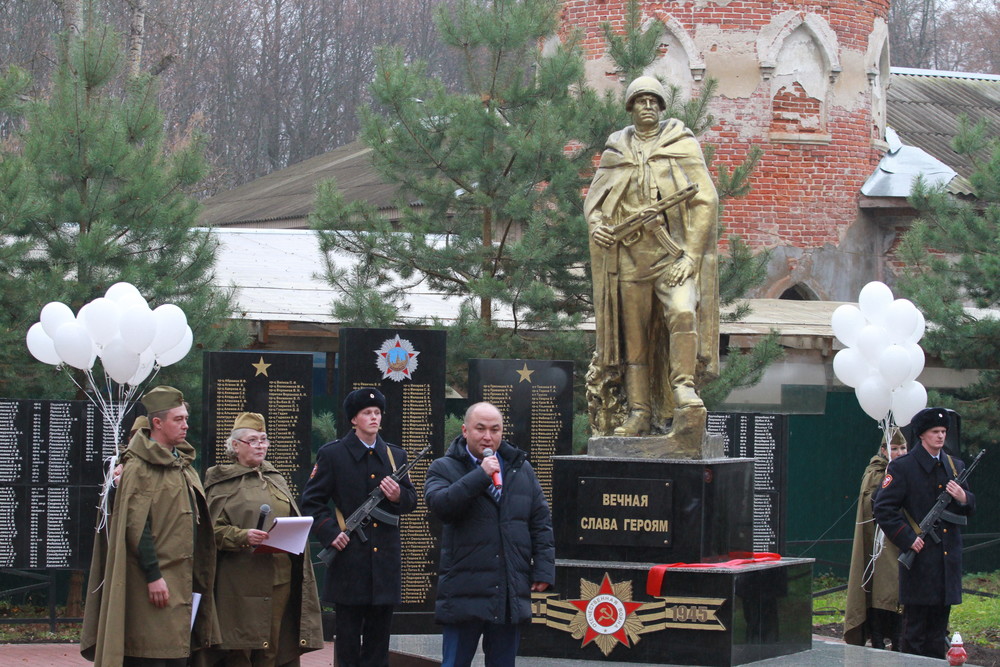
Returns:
(924, 108)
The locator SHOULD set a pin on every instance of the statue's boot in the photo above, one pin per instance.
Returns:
(637, 387)
(683, 358)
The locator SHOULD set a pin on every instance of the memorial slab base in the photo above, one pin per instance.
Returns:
(602, 611)
(652, 510)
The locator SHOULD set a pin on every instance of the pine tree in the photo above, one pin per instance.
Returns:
(952, 250)
(89, 196)
(498, 170)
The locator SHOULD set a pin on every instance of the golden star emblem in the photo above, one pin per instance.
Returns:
(261, 368)
(524, 373)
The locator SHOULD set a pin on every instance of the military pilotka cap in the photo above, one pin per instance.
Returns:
(929, 418)
(162, 398)
(251, 420)
(896, 437)
(140, 422)
(359, 399)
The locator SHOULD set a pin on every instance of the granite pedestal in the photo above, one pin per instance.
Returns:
(617, 518)
(652, 510)
(699, 616)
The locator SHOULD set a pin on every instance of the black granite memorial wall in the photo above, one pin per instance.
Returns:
(764, 438)
(407, 366)
(278, 385)
(51, 469)
(535, 398)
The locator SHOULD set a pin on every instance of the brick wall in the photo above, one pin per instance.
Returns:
(805, 190)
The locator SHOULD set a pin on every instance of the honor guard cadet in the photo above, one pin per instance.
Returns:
(364, 581)
(910, 489)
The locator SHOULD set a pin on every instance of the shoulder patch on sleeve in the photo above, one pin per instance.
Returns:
(887, 481)
(315, 468)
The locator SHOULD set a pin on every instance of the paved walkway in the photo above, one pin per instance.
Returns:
(826, 652)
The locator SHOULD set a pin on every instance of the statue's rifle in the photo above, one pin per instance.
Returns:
(368, 509)
(928, 524)
(629, 230)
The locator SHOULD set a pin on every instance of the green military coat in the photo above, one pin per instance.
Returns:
(118, 619)
(245, 580)
(881, 590)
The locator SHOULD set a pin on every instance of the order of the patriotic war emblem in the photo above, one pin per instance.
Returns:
(396, 359)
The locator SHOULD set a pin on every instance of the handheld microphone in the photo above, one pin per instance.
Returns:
(265, 509)
(497, 481)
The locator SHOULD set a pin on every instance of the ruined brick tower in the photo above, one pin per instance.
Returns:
(805, 81)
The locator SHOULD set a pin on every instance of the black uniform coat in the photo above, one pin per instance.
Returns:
(364, 573)
(491, 552)
(913, 483)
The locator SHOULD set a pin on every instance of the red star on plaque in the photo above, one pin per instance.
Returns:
(606, 615)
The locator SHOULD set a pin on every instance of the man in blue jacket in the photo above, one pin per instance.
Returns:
(364, 582)
(497, 545)
(911, 486)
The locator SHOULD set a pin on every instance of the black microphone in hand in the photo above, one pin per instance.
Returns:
(497, 481)
(265, 509)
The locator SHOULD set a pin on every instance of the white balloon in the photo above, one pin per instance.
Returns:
(918, 330)
(122, 290)
(146, 362)
(74, 346)
(894, 365)
(874, 397)
(53, 316)
(101, 317)
(138, 328)
(847, 322)
(851, 367)
(170, 324)
(872, 342)
(900, 320)
(176, 353)
(40, 345)
(916, 360)
(873, 300)
(119, 361)
(907, 401)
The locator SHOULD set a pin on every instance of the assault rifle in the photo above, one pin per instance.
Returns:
(368, 509)
(929, 522)
(627, 231)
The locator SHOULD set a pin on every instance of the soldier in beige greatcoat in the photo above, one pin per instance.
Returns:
(160, 551)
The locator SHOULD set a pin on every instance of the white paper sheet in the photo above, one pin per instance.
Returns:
(195, 601)
(288, 534)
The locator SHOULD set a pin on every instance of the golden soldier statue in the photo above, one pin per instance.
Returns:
(652, 211)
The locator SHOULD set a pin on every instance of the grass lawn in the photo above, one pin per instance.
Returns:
(977, 618)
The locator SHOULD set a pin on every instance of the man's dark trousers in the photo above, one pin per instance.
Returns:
(362, 638)
(925, 628)
(500, 642)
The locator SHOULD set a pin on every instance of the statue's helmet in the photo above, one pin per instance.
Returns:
(645, 85)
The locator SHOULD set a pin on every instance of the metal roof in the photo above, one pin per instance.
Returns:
(284, 199)
(924, 107)
(277, 276)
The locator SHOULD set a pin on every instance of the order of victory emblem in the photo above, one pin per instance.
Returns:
(396, 359)
(606, 615)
